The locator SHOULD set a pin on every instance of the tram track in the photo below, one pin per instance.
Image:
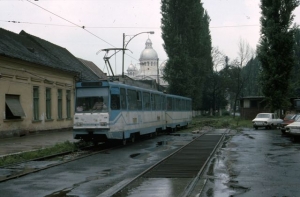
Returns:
(188, 163)
(24, 168)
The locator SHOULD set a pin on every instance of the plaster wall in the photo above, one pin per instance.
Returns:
(19, 78)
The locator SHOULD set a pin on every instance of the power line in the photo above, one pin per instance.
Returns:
(83, 27)
(86, 27)
(109, 27)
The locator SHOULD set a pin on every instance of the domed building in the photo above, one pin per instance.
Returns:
(149, 63)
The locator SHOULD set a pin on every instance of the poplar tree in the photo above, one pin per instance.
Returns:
(275, 50)
(187, 42)
(295, 80)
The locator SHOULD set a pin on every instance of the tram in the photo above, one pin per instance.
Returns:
(106, 110)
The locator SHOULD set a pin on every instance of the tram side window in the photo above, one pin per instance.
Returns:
(115, 102)
(153, 104)
(177, 101)
(169, 103)
(163, 103)
(132, 100)
(146, 101)
(123, 98)
(182, 105)
(139, 100)
(158, 102)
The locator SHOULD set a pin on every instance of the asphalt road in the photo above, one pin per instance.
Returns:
(249, 163)
(254, 163)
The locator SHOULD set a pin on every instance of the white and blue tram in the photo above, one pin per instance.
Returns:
(125, 112)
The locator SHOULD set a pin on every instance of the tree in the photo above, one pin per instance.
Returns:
(275, 50)
(295, 80)
(240, 78)
(187, 42)
(214, 91)
(252, 87)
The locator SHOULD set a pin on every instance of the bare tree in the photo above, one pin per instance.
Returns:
(245, 54)
(217, 58)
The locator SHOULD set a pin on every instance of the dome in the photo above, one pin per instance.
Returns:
(163, 65)
(131, 68)
(148, 53)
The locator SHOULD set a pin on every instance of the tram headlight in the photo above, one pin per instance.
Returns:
(78, 124)
(103, 123)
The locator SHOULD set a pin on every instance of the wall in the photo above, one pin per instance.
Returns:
(19, 78)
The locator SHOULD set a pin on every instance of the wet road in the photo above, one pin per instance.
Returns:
(249, 163)
(94, 175)
(254, 163)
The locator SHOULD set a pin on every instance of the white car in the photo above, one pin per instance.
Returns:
(293, 129)
(267, 120)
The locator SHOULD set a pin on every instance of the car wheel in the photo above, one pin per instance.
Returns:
(256, 128)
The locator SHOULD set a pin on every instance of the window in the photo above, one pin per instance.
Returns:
(146, 101)
(68, 104)
(169, 104)
(115, 102)
(246, 104)
(153, 103)
(92, 100)
(123, 98)
(164, 106)
(139, 100)
(48, 103)
(59, 103)
(35, 103)
(13, 107)
(158, 102)
(177, 107)
(132, 100)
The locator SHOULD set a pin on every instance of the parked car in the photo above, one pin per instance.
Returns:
(293, 129)
(288, 119)
(267, 120)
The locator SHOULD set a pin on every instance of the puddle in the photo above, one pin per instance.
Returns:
(135, 155)
(62, 193)
(283, 144)
(161, 143)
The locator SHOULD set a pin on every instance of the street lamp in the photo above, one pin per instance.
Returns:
(125, 45)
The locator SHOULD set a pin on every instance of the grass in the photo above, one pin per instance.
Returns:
(219, 122)
(56, 149)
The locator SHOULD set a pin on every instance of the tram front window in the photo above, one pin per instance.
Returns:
(92, 104)
(91, 100)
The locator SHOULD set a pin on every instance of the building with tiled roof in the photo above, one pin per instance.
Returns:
(37, 82)
(94, 68)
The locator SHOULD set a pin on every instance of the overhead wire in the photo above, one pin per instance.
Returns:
(82, 27)
(124, 27)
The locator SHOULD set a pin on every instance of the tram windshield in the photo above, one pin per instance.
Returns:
(92, 100)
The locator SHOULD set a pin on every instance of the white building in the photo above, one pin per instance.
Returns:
(149, 63)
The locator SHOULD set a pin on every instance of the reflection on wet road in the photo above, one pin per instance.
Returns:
(255, 163)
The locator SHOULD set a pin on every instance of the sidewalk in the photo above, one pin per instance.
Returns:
(34, 142)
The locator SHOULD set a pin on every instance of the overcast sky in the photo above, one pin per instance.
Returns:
(105, 21)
